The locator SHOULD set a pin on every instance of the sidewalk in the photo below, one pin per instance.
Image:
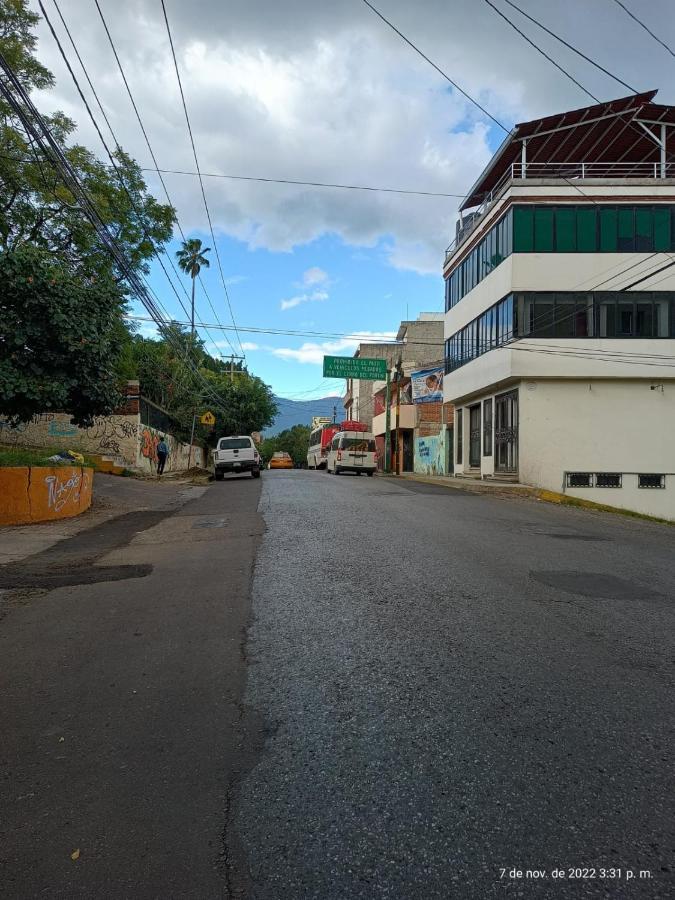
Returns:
(473, 485)
(113, 496)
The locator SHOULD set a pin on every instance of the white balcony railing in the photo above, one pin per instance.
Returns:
(564, 171)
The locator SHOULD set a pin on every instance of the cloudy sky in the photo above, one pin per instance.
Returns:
(313, 90)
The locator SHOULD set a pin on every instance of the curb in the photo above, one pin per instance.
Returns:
(546, 496)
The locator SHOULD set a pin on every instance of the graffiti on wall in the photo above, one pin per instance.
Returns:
(430, 454)
(149, 442)
(110, 435)
(61, 492)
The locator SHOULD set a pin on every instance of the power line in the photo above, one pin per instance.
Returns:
(150, 149)
(437, 68)
(114, 165)
(320, 184)
(201, 181)
(36, 128)
(571, 47)
(642, 25)
(539, 50)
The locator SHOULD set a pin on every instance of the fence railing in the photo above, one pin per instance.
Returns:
(569, 171)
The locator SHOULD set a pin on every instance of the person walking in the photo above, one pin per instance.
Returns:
(162, 453)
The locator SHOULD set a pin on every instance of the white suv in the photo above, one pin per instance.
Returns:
(236, 454)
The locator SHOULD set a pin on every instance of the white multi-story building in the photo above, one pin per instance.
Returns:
(560, 308)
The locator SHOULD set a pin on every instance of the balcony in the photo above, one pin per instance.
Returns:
(518, 174)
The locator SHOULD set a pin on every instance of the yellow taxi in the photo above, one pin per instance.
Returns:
(280, 460)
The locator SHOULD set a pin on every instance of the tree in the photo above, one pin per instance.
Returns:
(248, 404)
(56, 339)
(46, 241)
(191, 257)
(294, 441)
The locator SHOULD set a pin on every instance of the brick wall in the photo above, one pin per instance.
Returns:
(448, 413)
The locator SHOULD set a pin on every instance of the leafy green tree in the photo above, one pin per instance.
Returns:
(56, 339)
(45, 237)
(294, 441)
(191, 258)
(248, 404)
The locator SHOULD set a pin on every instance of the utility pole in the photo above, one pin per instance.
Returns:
(232, 370)
(387, 427)
(334, 414)
(398, 376)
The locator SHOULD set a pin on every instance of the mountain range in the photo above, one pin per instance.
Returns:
(301, 412)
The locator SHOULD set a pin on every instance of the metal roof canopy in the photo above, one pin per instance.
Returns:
(619, 131)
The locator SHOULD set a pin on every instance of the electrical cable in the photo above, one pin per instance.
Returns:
(572, 48)
(201, 180)
(321, 184)
(152, 156)
(642, 25)
(437, 68)
(539, 50)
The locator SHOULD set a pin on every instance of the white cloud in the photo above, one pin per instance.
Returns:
(326, 92)
(314, 297)
(313, 353)
(315, 275)
(249, 345)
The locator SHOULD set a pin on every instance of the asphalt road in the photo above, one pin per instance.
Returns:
(339, 688)
(454, 685)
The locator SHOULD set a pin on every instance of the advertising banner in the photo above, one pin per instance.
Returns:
(427, 385)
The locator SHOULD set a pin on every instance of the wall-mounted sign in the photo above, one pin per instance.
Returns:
(427, 385)
(360, 367)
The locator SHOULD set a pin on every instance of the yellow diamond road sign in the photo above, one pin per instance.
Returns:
(208, 419)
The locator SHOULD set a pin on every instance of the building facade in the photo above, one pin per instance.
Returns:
(560, 309)
(418, 343)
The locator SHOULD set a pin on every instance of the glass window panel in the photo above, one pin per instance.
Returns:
(586, 228)
(542, 321)
(662, 228)
(644, 229)
(661, 310)
(565, 229)
(625, 318)
(608, 230)
(626, 229)
(523, 229)
(607, 316)
(508, 234)
(508, 318)
(644, 319)
(565, 311)
(543, 229)
(583, 318)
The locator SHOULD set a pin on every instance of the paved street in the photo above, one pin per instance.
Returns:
(435, 686)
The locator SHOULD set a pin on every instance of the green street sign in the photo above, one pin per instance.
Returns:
(359, 367)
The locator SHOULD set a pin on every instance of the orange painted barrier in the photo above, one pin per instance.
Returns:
(43, 493)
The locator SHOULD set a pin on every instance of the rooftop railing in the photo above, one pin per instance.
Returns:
(564, 171)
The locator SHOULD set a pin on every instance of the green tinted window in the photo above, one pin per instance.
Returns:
(608, 225)
(626, 229)
(644, 224)
(543, 229)
(523, 240)
(586, 241)
(565, 230)
(661, 228)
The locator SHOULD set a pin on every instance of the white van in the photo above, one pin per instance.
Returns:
(352, 451)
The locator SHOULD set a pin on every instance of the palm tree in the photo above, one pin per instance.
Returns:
(191, 258)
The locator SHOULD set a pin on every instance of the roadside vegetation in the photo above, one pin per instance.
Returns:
(66, 343)
(294, 441)
(20, 456)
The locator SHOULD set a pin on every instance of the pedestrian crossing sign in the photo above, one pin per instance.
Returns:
(208, 419)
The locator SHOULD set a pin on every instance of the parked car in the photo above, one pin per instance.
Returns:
(280, 460)
(352, 451)
(236, 453)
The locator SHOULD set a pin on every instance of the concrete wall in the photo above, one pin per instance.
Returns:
(600, 426)
(179, 453)
(115, 435)
(43, 493)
